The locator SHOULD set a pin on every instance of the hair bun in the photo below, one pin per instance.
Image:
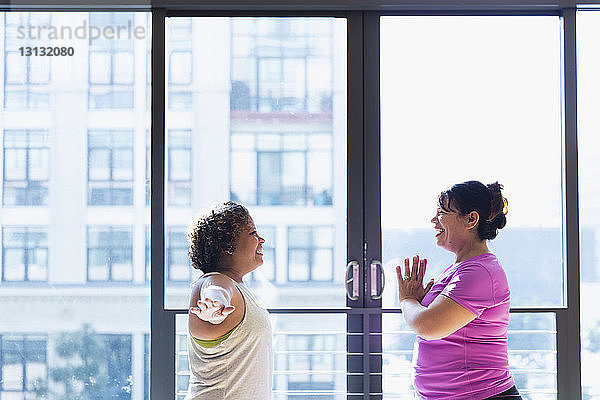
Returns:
(498, 206)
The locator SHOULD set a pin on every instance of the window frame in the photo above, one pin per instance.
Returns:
(110, 229)
(26, 230)
(28, 181)
(111, 181)
(24, 338)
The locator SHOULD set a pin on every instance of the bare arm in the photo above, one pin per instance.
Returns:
(210, 317)
(441, 318)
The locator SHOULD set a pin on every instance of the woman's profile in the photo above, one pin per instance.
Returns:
(461, 317)
(229, 338)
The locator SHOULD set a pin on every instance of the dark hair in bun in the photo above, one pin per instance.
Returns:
(475, 196)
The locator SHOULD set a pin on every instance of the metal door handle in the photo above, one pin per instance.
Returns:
(375, 294)
(352, 280)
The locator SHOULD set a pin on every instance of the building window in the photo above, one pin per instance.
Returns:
(24, 254)
(309, 354)
(110, 253)
(26, 163)
(179, 168)
(111, 63)
(23, 366)
(26, 78)
(180, 64)
(268, 270)
(179, 268)
(282, 65)
(310, 253)
(282, 169)
(110, 168)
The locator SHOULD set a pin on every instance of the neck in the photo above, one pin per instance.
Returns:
(232, 273)
(472, 249)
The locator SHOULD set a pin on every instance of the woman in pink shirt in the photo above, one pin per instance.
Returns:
(461, 317)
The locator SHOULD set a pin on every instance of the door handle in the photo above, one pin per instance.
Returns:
(352, 280)
(376, 294)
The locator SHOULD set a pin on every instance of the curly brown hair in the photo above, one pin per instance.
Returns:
(214, 233)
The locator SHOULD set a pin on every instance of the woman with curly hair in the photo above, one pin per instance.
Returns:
(461, 318)
(229, 338)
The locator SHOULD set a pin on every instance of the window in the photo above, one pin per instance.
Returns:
(110, 255)
(111, 63)
(282, 169)
(588, 90)
(310, 253)
(26, 166)
(178, 263)
(267, 272)
(179, 167)
(313, 362)
(282, 65)
(24, 254)
(23, 366)
(118, 366)
(180, 64)
(110, 167)
(26, 78)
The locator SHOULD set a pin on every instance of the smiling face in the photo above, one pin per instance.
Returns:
(452, 229)
(248, 252)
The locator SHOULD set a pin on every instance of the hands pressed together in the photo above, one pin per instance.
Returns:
(410, 285)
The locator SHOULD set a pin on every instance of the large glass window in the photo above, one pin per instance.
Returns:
(268, 130)
(468, 98)
(110, 167)
(26, 165)
(69, 127)
(588, 64)
(24, 254)
(26, 79)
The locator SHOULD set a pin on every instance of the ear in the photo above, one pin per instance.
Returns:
(472, 219)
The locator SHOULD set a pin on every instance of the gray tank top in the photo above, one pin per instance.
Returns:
(241, 366)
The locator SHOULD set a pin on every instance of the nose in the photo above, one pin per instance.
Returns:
(435, 219)
(261, 240)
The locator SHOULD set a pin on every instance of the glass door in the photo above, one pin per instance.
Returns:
(475, 98)
(255, 112)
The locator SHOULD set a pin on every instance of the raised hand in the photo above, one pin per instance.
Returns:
(410, 286)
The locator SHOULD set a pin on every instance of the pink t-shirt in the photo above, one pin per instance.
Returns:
(471, 363)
